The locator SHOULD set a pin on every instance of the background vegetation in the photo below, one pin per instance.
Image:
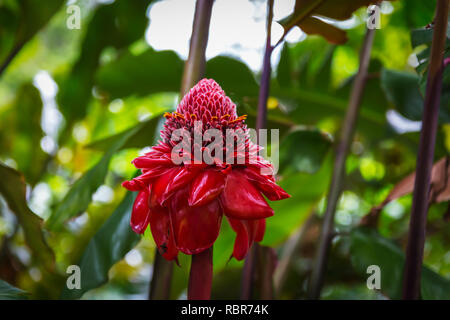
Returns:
(78, 105)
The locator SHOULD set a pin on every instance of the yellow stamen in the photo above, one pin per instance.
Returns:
(179, 115)
(241, 118)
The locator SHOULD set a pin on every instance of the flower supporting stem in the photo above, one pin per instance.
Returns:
(261, 119)
(193, 71)
(416, 236)
(346, 136)
(194, 67)
(162, 276)
(200, 276)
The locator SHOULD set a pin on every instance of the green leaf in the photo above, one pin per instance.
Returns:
(369, 248)
(413, 14)
(402, 90)
(22, 125)
(306, 190)
(13, 189)
(284, 67)
(8, 292)
(303, 150)
(20, 21)
(239, 83)
(146, 73)
(109, 245)
(235, 78)
(80, 195)
(118, 24)
(421, 36)
(144, 134)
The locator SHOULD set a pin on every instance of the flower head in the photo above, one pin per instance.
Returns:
(184, 201)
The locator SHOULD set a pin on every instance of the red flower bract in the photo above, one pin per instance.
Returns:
(184, 203)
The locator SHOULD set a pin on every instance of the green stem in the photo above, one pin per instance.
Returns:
(346, 137)
(194, 68)
(418, 221)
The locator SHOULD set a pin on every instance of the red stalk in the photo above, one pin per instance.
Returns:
(200, 277)
(416, 236)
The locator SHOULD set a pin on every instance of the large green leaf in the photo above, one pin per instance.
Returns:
(235, 78)
(284, 67)
(306, 190)
(423, 37)
(13, 189)
(403, 91)
(109, 245)
(20, 20)
(413, 14)
(149, 72)
(8, 292)
(303, 150)
(312, 99)
(369, 248)
(144, 134)
(80, 195)
(21, 132)
(118, 24)
(239, 83)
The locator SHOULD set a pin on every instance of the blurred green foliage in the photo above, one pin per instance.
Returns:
(61, 199)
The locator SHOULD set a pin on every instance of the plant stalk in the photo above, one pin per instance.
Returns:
(346, 137)
(162, 276)
(194, 68)
(416, 236)
(193, 71)
(261, 119)
(201, 275)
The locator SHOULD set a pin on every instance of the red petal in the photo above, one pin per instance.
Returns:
(162, 234)
(146, 162)
(162, 147)
(260, 230)
(133, 185)
(266, 185)
(206, 187)
(158, 194)
(141, 182)
(242, 241)
(195, 228)
(180, 179)
(241, 200)
(140, 214)
(150, 174)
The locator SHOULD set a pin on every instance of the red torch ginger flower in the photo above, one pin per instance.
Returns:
(184, 203)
